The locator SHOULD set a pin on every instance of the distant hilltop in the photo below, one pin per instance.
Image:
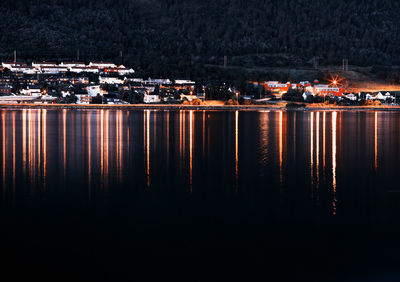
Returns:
(64, 67)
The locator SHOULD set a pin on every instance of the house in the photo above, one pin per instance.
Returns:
(31, 91)
(72, 64)
(350, 96)
(276, 87)
(5, 89)
(53, 69)
(39, 65)
(120, 70)
(325, 90)
(94, 90)
(157, 81)
(79, 69)
(10, 65)
(110, 80)
(149, 98)
(102, 65)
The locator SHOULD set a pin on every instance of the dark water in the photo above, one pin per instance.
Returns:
(200, 196)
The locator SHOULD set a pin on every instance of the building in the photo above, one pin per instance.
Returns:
(102, 65)
(325, 90)
(110, 80)
(80, 69)
(149, 98)
(5, 89)
(10, 65)
(31, 91)
(39, 65)
(275, 87)
(120, 70)
(73, 64)
(53, 69)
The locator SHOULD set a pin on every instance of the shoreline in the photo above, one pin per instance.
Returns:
(281, 106)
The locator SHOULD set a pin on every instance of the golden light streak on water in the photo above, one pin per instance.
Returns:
(237, 150)
(204, 134)
(281, 146)
(3, 119)
(148, 147)
(317, 147)
(39, 132)
(184, 138)
(64, 116)
(312, 147)
(89, 134)
(323, 139)
(334, 120)
(167, 138)
(376, 140)
(180, 137)
(13, 152)
(120, 143)
(117, 143)
(24, 141)
(191, 150)
(102, 147)
(106, 145)
(30, 146)
(44, 147)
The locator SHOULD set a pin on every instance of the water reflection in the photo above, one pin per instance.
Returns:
(334, 120)
(102, 151)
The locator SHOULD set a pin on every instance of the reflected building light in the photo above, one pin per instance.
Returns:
(39, 133)
(3, 119)
(24, 142)
(376, 140)
(167, 138)
(120, 143)
(44, 147)
(64, 114)
(106, 147)
(102, 147)
(204, 134)
(323, 139)
(334, 119)
(13, 153)
(89, 134)
(148, 147)
(317, 147)
(237, 150)
(281, 147)
(191, 150)
(312, 147)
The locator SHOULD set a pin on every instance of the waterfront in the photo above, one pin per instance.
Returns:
(211, 195)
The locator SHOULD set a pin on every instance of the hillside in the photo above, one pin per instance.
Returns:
(181, 38)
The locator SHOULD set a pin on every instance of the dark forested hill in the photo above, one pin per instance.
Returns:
(173, 36)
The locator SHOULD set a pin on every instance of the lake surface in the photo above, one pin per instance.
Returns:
(200, 195)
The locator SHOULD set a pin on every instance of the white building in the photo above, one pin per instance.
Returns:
(53, 69)
(351, 97)
(94, 90)
(31, 91)
(72, 64)
(102, 65)
(148, 99)
(79, 69)
(39, 65)
(185, 82)
(10, 65)
(110, 80)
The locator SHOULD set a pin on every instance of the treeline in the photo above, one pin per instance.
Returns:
(180, 38)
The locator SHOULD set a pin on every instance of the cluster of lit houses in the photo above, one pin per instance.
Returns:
(44, 82)
(326, 90)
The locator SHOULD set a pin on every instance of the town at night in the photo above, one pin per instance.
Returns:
(199, 140)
